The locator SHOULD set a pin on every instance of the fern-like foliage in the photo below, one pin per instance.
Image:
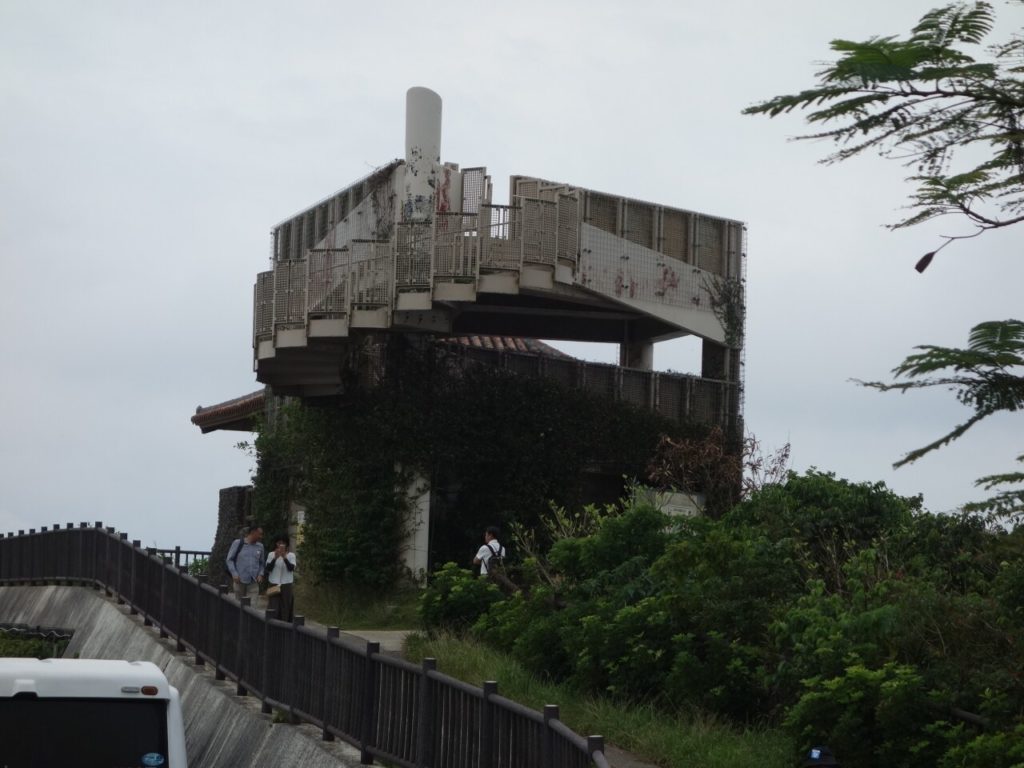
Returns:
(924, 99)
(988, 377)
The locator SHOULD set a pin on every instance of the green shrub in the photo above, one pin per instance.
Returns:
(869, 717)
(455, 599)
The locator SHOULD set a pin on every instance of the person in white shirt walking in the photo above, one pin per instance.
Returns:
(281, 576)
(491, 548)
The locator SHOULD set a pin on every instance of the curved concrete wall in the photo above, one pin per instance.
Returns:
(222, 730)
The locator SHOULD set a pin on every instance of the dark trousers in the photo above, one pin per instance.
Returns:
(283, 603)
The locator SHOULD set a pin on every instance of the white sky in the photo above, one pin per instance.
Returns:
(147, 148)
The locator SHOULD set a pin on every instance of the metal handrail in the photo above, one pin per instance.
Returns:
(407, 714)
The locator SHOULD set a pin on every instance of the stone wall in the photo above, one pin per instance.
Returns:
(233, 514)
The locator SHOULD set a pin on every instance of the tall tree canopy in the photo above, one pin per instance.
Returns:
(952, 109)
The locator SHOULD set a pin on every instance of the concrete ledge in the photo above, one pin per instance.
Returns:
(222, 730)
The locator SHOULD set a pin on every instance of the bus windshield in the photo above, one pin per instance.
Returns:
(87, 733)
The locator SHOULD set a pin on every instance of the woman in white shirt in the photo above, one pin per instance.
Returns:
(281, 577)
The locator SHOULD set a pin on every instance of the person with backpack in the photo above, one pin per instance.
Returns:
(491, 549)
(245, 563)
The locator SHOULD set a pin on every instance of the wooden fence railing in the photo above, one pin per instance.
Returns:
(406, 714)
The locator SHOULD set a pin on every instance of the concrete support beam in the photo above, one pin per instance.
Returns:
(637, 354)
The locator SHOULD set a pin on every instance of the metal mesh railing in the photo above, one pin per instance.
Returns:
(680, 397)
(372, 273)
(328, 282)
(414, 244)
(568, 245)
(474, 189)
(639, 227)
(263, 306)
(456, 246)
(289, 293)
(709, 245)
(408, 715)
(501, 241)
(540, 225)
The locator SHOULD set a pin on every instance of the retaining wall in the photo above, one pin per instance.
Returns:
(222, 730)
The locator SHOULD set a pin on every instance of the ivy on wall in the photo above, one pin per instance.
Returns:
(496, 449)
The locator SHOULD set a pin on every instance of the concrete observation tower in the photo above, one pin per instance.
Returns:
(419, 246)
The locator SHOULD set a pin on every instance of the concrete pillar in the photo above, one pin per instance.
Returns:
(422, 153)
(637, 354)
(416, 550)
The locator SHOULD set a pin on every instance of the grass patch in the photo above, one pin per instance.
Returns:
(690, 741)
(336, 607)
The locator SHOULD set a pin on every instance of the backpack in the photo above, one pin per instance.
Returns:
(496, 560)
(496, 570)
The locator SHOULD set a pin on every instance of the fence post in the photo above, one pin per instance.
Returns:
(594, 744)
(108, 562)
(425, 732)
(547, 747)
(163, 598)
(370, 677)
(177, 556)
(198, 603)
(147, 615)
(80, 577)
(289, 679)
(93, 569)
(218, 640)
(269, 614)
(242, 604)
(332, 633)
(123, 537)
(179, 646)
(487, 724)
(133, 589)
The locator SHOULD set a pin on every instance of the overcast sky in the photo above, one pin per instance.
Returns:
(146, 149)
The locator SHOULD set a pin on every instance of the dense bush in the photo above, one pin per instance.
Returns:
(456, 598)
(840, 610)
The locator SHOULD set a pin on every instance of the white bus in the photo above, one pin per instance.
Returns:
(88, 712)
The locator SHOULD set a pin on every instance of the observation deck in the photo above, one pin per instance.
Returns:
(419, 246)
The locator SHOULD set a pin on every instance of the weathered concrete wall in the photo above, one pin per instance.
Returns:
(222, 730)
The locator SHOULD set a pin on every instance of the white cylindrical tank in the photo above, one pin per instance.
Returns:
(422, 153)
